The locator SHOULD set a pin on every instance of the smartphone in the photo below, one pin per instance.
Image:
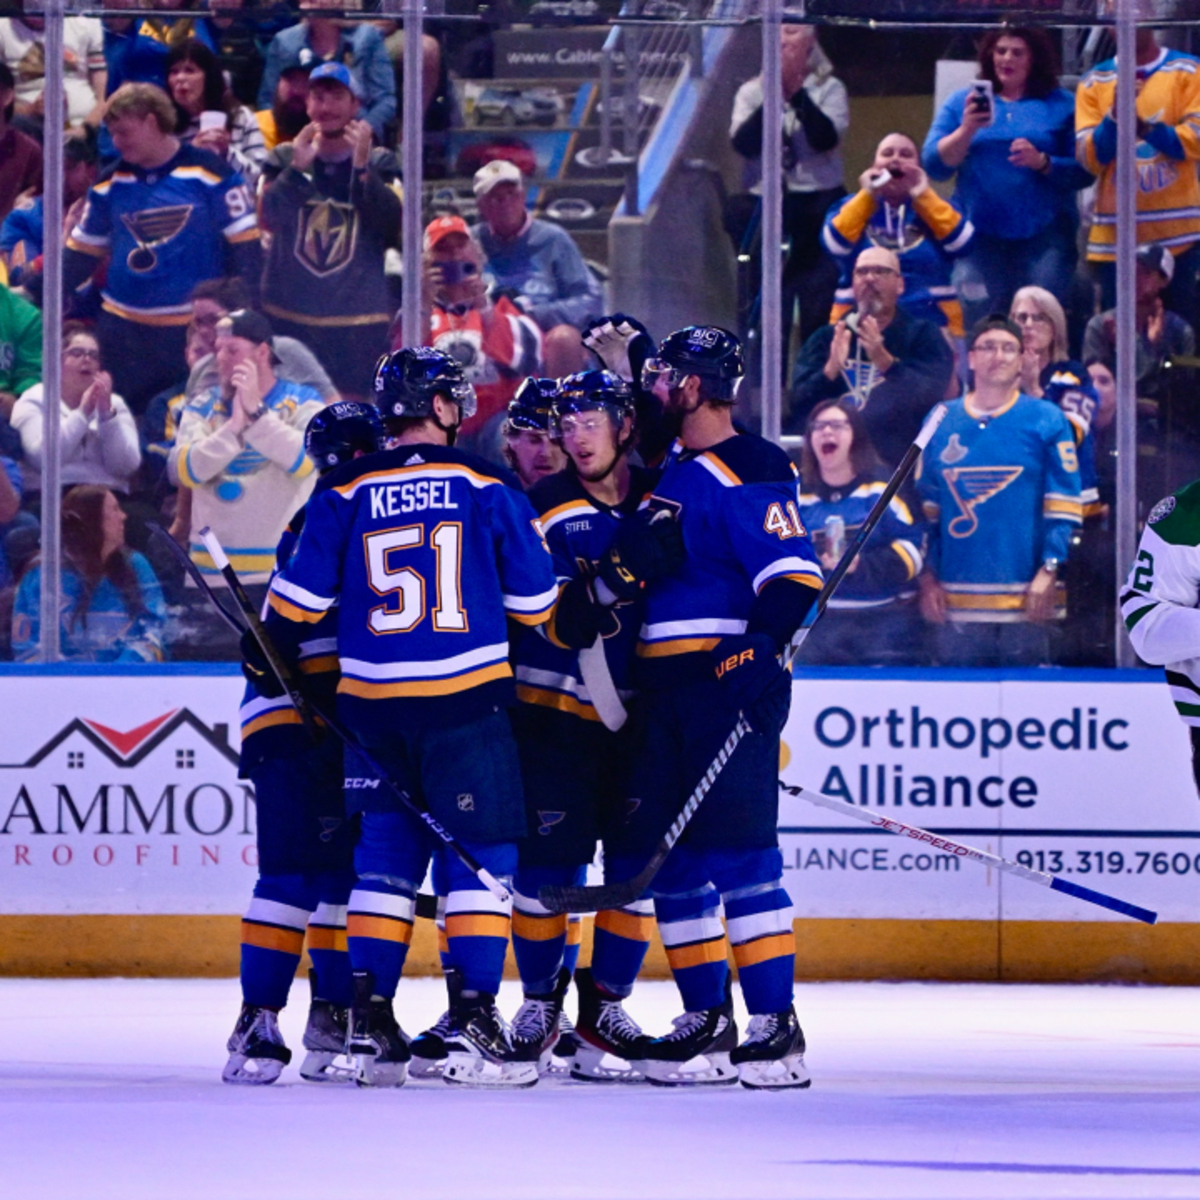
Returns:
(456, 272)
(982, 99)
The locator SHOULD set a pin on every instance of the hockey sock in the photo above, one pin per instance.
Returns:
(690, 925)
(327, 941)
(477, 923)
(273, 937)
(620, 940)
(574, 942)
(759, 920)
(379, 927)
(539, 937)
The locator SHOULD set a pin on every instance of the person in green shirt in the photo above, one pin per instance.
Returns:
(20, 360)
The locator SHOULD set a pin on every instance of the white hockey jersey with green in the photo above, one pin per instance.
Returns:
(1161, 598)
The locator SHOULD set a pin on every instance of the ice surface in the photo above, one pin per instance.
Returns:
(111, 1089)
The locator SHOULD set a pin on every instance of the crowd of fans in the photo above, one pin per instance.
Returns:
(233, 207)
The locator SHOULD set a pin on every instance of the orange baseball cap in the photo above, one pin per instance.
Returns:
(443, 227)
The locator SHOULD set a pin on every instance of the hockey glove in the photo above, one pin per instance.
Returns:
(756, 684)
(257, 669)
(612, 340)
(578, 618)
(648, 547)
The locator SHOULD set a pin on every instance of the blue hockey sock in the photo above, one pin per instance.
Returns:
(272, 939)
(477, 923)
(759, 920)
(539, 937)
(379, 927)
(574, 943)
(327, 940)
(694, 939)
(620, 939)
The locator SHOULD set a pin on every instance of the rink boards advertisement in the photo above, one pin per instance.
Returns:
(119, 794)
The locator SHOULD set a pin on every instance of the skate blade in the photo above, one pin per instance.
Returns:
(425, 1068)
(466, 1070)
(370, 1072)
(787, 1072)
(253, 1071)
(705, 1070)
(326, 1066)
(593, 1065)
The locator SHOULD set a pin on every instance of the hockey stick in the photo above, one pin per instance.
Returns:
(572, 899)
(303, 705)
(959, 850)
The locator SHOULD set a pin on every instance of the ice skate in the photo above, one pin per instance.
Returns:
(377, 1046)
(772, 1056)
(429, 1048)
(478, 1050)
(325, 1041)
(697, 1051)
(609, 1042)
(537, 1025)
(563, 1053)
(256, 1050)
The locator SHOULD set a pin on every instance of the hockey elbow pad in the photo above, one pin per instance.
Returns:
(648, 547)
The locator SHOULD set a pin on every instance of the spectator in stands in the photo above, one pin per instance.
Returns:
(240, 39)
(1162, 334)
(85, 75)
(537, 264)
(240, 450)
(288, 113)
(167, 217)
(98, 438)
(896, 208)
(113, 610)
(873, 617)
(20, 155)
(332, 215)
(816, 117)
(358, 47)
(11, 485)
(1000, 489)
(1016, 172)
(495, 343)
(160, 424)
(1168, 192)
(22, 234)
(139, 54)
(196, 84)
(20, 361)
(895, 366)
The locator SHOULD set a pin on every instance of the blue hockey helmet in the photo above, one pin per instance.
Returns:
(593, 391)
(406, 382)
(707, 351)
(338, 432)
(530, 408)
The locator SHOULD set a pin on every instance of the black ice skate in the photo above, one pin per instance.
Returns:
(697, 1051)
(377, 1046)
(429, 1048)
(537, 1025)
(256, 1050)
(325, 1040)
(479, 1052)
(609, 1042)
(772, 1056)
(565, 1049)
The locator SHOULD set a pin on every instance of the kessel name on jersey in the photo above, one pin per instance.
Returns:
(395, 499)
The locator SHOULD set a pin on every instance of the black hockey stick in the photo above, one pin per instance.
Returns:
(303, 704)
(572, 899)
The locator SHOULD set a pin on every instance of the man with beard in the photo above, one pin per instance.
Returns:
(895, 366)
(288, 113)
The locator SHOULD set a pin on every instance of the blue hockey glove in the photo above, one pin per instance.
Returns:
(746, 664)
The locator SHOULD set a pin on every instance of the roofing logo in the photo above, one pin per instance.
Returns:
(971, 487)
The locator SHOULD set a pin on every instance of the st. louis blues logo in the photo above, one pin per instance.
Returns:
(547, 821)
(329, 827)
(971, 487)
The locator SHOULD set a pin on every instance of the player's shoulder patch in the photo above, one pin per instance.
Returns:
(747, 458)
(1176, 519)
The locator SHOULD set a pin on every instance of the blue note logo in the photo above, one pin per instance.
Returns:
(971, 487)
(547, 821)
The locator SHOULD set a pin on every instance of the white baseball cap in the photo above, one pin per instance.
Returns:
(499, 170)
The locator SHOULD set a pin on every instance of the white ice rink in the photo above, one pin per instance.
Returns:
(111, 1089)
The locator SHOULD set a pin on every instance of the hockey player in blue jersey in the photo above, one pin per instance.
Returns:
(1000, 488)
(573, 685)
(708, 649)
(305, 842)
(426, 552)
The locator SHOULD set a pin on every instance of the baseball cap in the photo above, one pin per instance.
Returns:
(248, 324)
(996, 321)
(499, 170)
(443, 227)
(338, 72)
(1158, 258)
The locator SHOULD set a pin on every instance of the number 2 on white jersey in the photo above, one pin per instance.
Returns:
(407, 586)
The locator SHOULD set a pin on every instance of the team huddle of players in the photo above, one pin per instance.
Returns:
(545, 672)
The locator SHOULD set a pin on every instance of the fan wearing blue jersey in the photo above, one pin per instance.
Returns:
(707, 650)
(1000, 488)
(305, 840)
(427, 553)
(166, 218)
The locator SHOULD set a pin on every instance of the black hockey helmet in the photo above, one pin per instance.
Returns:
(336, 433)
(708, 351)
(406, 382)
(530, 408)
(593, 391)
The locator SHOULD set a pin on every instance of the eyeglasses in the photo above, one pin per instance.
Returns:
(82, 352)
(830, 426)
(1003, 349)
(874, 272)
(1031, 318)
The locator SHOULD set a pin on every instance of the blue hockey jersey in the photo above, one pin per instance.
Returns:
(1068, 385)
(425, 551)
(165, 231)
(579, 529)
(1001, 493)
(737, 503)
(891, 560)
